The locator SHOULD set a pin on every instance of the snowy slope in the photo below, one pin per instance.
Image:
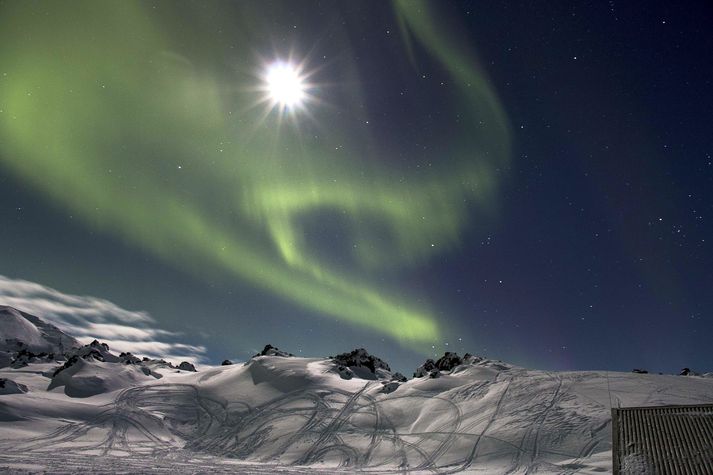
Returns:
(96, 411)
(294, 415)
(38, 335)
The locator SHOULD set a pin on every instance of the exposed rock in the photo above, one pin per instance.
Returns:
(226, 363)
(345, 372)
(72, 360)
(128, 358)
(449, 361)
(159, 362)
(186, 366)
(688, 372)
(399, 377)
(155, 365)
(99, 345)
(389, 387)
(24, 357)
(95, 351)
(423, 370)
(8, 386)
(270, 350)
(147, 371)
(639, 371)
(364, 365)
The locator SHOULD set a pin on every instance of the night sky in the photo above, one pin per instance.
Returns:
(528, 181)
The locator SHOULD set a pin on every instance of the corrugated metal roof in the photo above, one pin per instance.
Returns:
(663, 440)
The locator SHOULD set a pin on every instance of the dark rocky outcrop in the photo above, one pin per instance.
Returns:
(345, 372)
(389, 387)
(449, 361)
(72, 360)
(270, 350)
(425, 369)
(95, 351)
(360, 358)
(128, 358)
(24, 357)
(688, 372)
(360, 364)
(186, 366)
(98, 351)
(226, 363)
(8, 386)
(398, 377)
(447, 364)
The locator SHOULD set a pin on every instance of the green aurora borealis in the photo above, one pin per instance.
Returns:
(107, 112)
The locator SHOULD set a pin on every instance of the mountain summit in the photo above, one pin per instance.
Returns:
(20, 330)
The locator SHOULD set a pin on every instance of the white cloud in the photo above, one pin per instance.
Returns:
(87, 318)
(117, 331)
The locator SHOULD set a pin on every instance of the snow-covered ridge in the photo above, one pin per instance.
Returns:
(277, 413)
(36, 335)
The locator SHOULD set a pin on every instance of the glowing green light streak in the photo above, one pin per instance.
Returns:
(98, 114)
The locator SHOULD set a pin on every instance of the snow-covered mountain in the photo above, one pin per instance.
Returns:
(37, 335)
(277, 413)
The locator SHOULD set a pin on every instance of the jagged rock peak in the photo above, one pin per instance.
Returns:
(427, 368)
(399, 377)
(99, 345)
(270, 350)
(446, 363)
(449, 361)
(360, 358)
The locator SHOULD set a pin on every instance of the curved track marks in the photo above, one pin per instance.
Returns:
(309, 427)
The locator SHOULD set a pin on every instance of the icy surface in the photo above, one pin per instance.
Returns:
(297, 415)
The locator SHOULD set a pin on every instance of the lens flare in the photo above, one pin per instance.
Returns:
(285, 86)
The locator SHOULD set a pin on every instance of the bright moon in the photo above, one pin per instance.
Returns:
(285, 85)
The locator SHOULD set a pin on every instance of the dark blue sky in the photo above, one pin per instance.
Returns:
(604, 245)
(596, 253)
